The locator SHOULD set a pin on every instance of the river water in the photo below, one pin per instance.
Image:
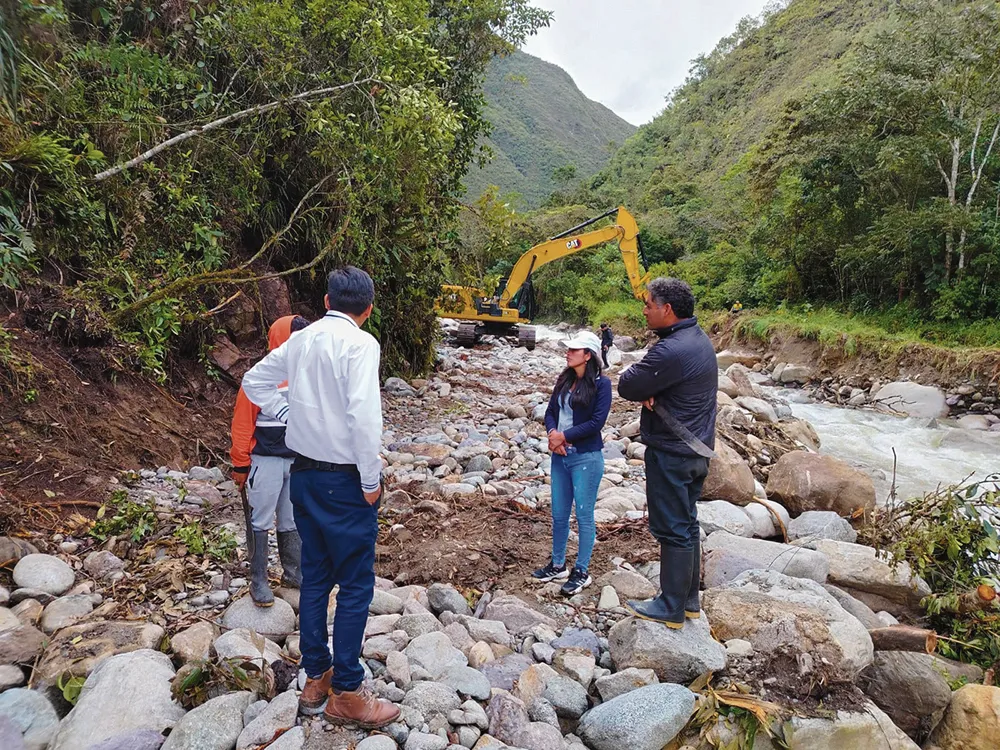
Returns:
(929, 453)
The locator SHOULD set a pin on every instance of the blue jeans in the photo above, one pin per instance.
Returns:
(338, 529)
(575, 478)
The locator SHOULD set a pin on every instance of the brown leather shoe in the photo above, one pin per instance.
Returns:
(315, 693)
(360, 708)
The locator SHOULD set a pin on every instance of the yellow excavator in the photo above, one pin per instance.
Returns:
(510, 310)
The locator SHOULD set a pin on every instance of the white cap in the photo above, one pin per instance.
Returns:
(584, 340)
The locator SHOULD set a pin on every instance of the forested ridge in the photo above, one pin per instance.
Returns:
(839, 153)
(158, 159)
(545, 133)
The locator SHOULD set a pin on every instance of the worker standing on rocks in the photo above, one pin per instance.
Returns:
(333, 410)
(677, 382)
(262, 462)
(576, 414)
(607, 341)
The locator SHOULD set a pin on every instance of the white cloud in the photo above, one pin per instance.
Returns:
(630, 54)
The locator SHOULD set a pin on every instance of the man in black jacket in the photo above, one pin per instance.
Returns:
(679, 373)
(607, 341)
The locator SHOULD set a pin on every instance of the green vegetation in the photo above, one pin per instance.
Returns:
(546, 135)
(839, 154)
(949, 538)
(157, 158)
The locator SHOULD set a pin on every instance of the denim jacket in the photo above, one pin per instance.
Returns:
(585, 434)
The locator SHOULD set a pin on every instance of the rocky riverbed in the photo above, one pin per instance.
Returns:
(145, 638)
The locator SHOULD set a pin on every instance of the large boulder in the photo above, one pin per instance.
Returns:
(214, 725)
(804, 481)
(279, 716)
(911, 399)
(434, 653)
(909, 687)
(796, 374)
(274, 622)
(729, 357)
(79, 649)
(645, 719)
(33, 716)
(847, 730)
(243, 644)
(971, 722)
(125, 692)
(761, 409)
(821, 524)
(802, 431)
(675, 655)
(727, 556)
(729, 478)
(515, 614)
(806, 632)
(862, 573)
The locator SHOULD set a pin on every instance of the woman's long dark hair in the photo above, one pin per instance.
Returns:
(586, 388)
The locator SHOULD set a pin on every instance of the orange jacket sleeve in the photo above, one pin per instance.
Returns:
(244, 424)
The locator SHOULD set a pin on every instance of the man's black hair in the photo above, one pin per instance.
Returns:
(350, 290)
(674, 292)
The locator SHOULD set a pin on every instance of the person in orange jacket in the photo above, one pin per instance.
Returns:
(262, 462)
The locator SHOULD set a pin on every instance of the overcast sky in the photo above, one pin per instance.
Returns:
(630, 54)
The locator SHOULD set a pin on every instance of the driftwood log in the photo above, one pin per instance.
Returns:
(904, 638)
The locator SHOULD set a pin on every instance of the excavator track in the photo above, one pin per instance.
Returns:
(526, 337)
(466, 335)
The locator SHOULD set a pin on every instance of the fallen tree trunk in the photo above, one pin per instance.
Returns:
(904, 638)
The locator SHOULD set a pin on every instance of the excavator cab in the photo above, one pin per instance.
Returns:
(513, 306)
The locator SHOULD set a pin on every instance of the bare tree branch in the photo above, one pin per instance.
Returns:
(223, 121)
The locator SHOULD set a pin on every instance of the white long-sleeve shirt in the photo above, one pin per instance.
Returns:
(333, 408)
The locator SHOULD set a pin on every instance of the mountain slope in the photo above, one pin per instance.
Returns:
(541, 122)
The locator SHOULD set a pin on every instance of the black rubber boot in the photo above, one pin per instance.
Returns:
(692, 607)
(260, 591)
(675, 580)
(290, 553)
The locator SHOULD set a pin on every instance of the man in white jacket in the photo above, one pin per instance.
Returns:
(333, 410)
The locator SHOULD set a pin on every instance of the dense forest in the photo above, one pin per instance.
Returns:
(159, 160)
(545, 134)
(839, 153)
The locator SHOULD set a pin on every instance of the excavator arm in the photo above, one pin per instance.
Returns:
(624, 230)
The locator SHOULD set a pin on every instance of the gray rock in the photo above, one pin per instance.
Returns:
(434, 653)
(239, 644)
(124, 692)
(490, 631)
(760, 408)
(21, 645)
(850, 730)
(10, 735)
(718, 515)
(202, 474)
(540, 736)
(675, 655)
(578, 638)
(727, 556)
(479, 463)
(137, 739)
(911, 399)
(909, 687)
(194, 643)
(543, 652)
(10, 676)
(102, 564)
(280, 714)
(445, 598)
(858, 568)
(384, 603)
(855, 607)
(468, 736)
(418, 624)
(794, 619)
(515, 614)
(293, 739)
(467, 681)
(397, 668)
(502, 673)
(629, 679)
(431, 698)
(762, 520)
(644, 719)
(66, 611)
(274, 622)
(508, 717)
(377, 742)
(32, 715)
(45, 573)
(214, 725)
(543, 711)
(12, 550)
(254, 710)
(821, 524)
(8, 619)
(568, 697)
(421, 741)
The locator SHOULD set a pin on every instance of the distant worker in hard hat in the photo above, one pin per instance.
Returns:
(737, 307)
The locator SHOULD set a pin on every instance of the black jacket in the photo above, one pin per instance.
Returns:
(681, 372)
(607, 337)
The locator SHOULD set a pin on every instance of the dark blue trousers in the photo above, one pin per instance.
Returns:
(338, 529)
(673, 486)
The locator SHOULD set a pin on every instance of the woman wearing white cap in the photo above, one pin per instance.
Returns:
(577, 412)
